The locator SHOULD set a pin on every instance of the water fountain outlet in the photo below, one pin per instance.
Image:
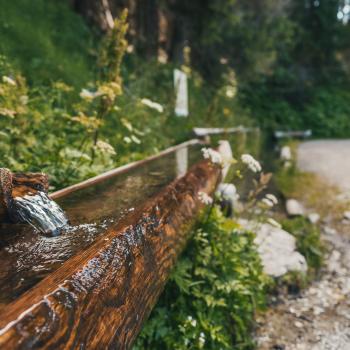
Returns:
(24, 199)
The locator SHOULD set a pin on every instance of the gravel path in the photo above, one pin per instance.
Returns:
(319, 317)
(327, 158)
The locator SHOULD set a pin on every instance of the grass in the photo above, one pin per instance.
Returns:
(46, 41)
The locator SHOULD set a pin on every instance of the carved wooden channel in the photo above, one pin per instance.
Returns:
(95, 285)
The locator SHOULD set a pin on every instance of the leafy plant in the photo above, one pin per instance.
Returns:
(308, 241)
(213, 293)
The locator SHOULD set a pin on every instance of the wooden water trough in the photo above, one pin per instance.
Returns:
(95, 285)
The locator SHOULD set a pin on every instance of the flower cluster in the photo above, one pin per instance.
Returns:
(204, 198)
(270, 200)
(201, 340)
(89, 95)
(252, 163)
(158, 107)
(214, 156)
(105, 147)
(8, 80)
(273, 222)
(192, 321)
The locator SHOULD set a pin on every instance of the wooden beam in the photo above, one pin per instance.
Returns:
(99, 299)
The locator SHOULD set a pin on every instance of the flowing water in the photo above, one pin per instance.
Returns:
(26, 256)
(42, 213)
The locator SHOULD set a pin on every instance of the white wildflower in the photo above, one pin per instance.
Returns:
(231, 91)
(201, 339)
(105, 147)
(89, 95)
(228, 191)
(8, 80)
(267, 202)
(272, 198)
(214, 156)
(252, 163)
(273, 222)
(24, 99)
(158, 107)
(204, 198)
(192, 321)
(127, 139)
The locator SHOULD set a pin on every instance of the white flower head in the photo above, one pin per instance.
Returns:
(214, 156)
(201, 339)
(24, 99)
(251, 162)
(273, 222)
(154, 105)
(272, 198)
(204, 198)
(228, 191)
(89, 95)
(105, 147)
(192, 321)
(268, 203)
(8, 80)
(231, 92)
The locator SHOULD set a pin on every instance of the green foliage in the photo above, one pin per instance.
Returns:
(46, 41)
(308, 241)
(213, 293)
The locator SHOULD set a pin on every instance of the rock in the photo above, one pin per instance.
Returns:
(329, 230)
(313, 218)
(277, 249)
(298, 324)
(286, 153)
(294, 208)
(346, 215)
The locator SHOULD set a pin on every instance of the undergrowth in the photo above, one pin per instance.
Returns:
(213, 293)
(308, 240)
(46, 41)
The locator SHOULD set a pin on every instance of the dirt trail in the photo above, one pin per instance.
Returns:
(319, 317)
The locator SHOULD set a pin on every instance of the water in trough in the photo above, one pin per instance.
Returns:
(26, 256)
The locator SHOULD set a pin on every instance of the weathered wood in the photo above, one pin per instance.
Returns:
(99, 299)
(13, 185)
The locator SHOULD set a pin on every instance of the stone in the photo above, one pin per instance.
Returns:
(277, 249)
(329, 230)
(314, 218)
(294, 208)
(346, 215)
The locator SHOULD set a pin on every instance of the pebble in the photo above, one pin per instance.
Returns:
(294, 208)
(329, 231)
(314, 217)
(347, 215)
